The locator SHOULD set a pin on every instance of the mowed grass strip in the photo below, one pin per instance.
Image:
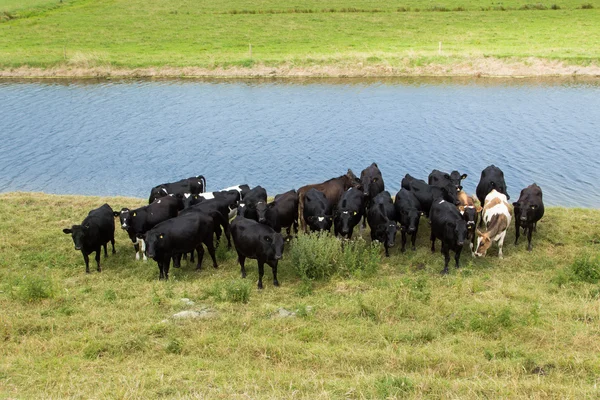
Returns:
(525, 326)
(139, 33)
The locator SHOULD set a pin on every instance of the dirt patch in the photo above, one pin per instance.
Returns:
(479, 67)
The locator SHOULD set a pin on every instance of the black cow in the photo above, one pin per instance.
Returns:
(259, 242)
(372, 183)
(194, 185)
(491, 178)
(441, 179)
(96, 230)
(529, 209)
(317, 211)
(382, 220)
(180, 235)
(142, 219)
(426, 194)
(230, 197)
(408, 214)
(348, 213)
(218, 209)
(281, 213)
(448, 225)
(248, 205)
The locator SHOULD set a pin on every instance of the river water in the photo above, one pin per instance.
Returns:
(122, 138)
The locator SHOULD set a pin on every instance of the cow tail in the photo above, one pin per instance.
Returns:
(203, 180)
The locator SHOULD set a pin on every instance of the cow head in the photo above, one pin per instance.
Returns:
(320, 223)
(352, 180)
(386, 233)
(190, 199)
(456, 178)
(371, 181)
(458, 231)
(154, 242)
(271, 246)
(410, 220)
(483, 243)
(261, 210)
(125, 217)
(470, 214)
(346, 220)
(525, 212)
(241, 209)
(78, 233)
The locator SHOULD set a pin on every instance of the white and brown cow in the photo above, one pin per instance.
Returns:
(470, 213)
(496, 216)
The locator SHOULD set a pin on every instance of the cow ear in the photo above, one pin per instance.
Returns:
(479, 232)
(516, 204)
(463, 176)
(116, 213)
(67, 231)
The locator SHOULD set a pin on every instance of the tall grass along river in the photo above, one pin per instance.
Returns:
(123, 138)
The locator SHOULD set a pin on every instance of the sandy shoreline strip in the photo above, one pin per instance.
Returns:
(479, 67)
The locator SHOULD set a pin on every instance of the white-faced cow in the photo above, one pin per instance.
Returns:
(496, 216)
(96, 230)
(470, 213)
(317, 211)
(528, 211)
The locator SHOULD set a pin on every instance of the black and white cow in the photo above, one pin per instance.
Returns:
(257, 241)
(248, 205)
(426, 194)
(441, 179)
(180, 235)
(280, 213)
(381, 217)
(317, 211)
(447, 225)
(408, 214)
(348, 213)
(194, 185)
(96, 230)
(528, 210)
(141, 220)
(230, 197)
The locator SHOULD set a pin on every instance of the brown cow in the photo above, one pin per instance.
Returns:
(470, 213)
(333, 190)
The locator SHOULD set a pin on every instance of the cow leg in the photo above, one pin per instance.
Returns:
(432, 238)
(261, 273)
(218, 233)
(350, 233)
(242, 260)
(273, 265)
(211, 251)
(227, 233)
(192, 256)
(446, 253)
(166, 265)
(161, 274)
(500, 244)
(200, 250)
(144, 250)
(457, 256)
(535, 226)
(136, 247)
(403, 249)
(98, 251)
(86, 258)
(529, 247)
(517, 230)
(112, 242)
(387, 250)
(177, 261)
(413, 241)
(105, 245)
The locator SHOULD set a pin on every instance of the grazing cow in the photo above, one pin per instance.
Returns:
(372, 183)
(317, 211)
(496, 215)
(180, 235)
(281, 213)
(448, 225)
(426, 194)
(491, 178)
(194, 185)
(382, 220)
(348, 213)
(470, 214)
(441, 179)
(96, 230)
(529, 209)
(251, 200)
(259, 242)
(408, 214)
(142, 219)
(333, 190)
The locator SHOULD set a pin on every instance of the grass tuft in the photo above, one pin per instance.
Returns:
(237, 291)
(32, 288)
(587, 6)
(393, 387)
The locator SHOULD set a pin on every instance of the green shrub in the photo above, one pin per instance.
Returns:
(32, 288)
(237, 291)
(321, 255)
(587, 6)
(586, 268)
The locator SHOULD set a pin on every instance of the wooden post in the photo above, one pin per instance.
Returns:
(250, 50)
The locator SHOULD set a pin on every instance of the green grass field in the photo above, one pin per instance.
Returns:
(526, 326)
(209, 34)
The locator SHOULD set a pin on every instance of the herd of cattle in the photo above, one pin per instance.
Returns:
(181, 217)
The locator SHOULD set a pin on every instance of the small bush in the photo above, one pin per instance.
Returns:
(439, 9)
(587, 6)
(403, 9)
(32, 289)
(237, 291)
(537, 6)
(392, 386)
(175, 346)
(586, 269)
(555, 7)
(321, 255)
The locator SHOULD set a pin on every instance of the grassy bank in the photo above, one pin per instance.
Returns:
(526, 326)
(332, 38)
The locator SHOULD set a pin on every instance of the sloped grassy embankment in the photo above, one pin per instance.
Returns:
(524, 326)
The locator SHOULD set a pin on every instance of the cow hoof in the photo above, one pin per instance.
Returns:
(275, 283)
(444, 272)
(260, 286)
(137, 257)
(403, 250)
(529, 248)
(414, 248)
(215, 266)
